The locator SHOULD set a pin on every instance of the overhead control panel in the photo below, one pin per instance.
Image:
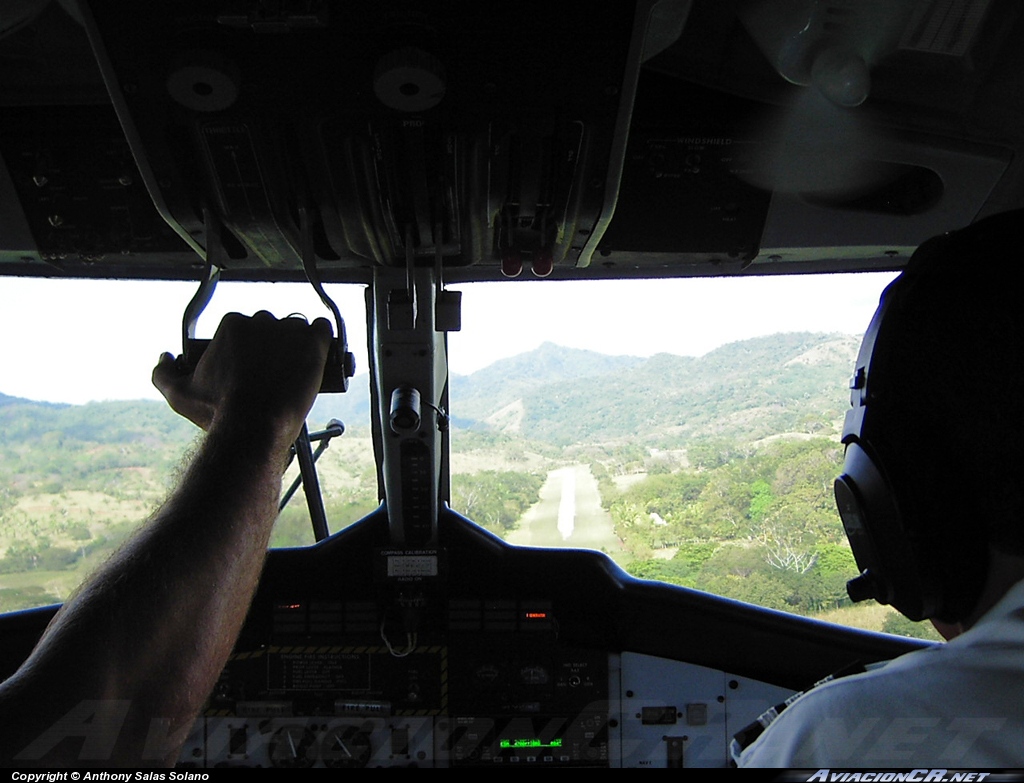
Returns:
(419, 128)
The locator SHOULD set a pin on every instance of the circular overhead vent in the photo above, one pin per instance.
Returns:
(409, 80)
(204, 82)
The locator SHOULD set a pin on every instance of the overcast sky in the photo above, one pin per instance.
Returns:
(76, 341)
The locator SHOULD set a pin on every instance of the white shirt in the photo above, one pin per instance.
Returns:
(959, 704)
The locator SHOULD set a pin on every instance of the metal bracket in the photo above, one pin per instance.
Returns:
(341, 364)
(308, 477)
(191, 348)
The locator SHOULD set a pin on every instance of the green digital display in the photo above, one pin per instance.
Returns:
(530, 743)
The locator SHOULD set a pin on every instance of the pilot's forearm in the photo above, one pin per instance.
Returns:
(149, 635)
(124, 667)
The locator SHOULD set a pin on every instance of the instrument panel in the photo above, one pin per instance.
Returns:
(532, 706)
(500, 656)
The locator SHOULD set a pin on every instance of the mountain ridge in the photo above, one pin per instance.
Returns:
(747, 389)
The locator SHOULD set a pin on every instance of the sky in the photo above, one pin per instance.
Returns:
(75, 341)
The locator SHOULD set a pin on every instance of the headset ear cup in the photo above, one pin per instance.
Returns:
(901, 494)
(893, 570)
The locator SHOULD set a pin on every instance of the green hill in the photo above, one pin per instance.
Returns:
(744, 391)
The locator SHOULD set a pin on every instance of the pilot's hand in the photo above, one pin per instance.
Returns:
(257, 370)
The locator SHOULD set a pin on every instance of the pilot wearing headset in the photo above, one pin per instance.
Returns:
(932, 500)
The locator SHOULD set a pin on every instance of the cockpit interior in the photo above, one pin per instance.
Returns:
(410, 146)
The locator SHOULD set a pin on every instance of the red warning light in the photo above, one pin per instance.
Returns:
(536, 615)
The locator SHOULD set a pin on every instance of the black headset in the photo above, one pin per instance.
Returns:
(904, 507)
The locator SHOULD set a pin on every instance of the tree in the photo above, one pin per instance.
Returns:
(495, 499)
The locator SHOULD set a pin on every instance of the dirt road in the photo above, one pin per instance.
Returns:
(569, 514)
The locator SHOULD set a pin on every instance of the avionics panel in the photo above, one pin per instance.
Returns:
(529, 705)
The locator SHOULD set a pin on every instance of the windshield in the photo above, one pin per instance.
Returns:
(686, 428)
(689, 429)
(89, 449)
